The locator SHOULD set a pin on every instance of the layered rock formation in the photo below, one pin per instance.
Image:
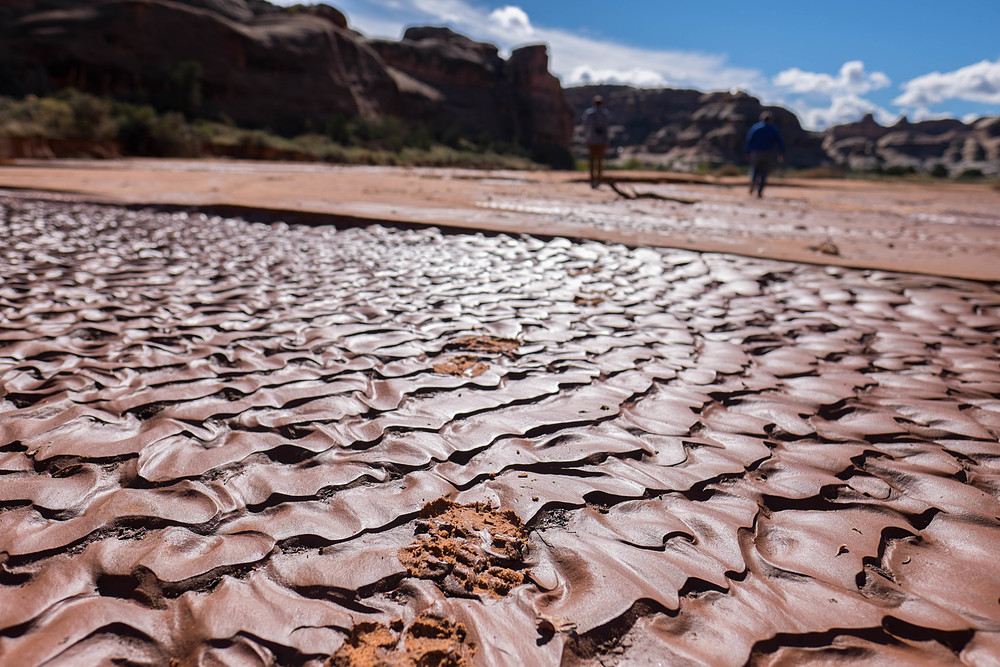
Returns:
(933, 145)
(292, 69)
(686, 129)
(284, 70)
(449, 79)
(287, 69)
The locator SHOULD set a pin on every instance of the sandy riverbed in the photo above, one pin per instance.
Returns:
(934, 228)
(228, 441)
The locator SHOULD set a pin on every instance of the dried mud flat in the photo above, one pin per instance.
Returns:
(225, 442)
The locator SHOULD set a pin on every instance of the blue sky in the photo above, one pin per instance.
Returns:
(830, 62)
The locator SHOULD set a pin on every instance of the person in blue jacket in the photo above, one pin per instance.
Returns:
(762, 146)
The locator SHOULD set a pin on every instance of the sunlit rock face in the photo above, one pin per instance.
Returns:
(946, 145)
(449, 79)
(287, 70)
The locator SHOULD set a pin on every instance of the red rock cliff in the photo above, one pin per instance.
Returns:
(283, 69)
(448, 79)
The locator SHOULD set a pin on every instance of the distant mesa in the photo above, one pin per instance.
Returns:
(945, 145)
(292, 69)
(686, 129)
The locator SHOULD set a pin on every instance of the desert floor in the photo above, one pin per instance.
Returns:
(298, 414)
(934, 228)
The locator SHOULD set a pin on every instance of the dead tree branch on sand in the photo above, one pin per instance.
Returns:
(648, 195)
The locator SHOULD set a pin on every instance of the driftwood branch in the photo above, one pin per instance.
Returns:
(648, 195)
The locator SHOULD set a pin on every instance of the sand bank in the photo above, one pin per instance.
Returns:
(932, 228)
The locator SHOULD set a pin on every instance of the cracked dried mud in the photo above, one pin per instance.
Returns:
(230, 442)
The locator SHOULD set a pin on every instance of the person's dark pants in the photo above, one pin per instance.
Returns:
(760, 165)
(597, 163)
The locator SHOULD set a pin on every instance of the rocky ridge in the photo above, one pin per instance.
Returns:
(448, 79)
(945, 144)
(216, 58)
(288, 69)
(292, 69)
(686, 129)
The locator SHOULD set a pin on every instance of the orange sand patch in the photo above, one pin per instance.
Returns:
(465, 364)
(467, 549)
(427, 641)
(486, 344)
(588, 300)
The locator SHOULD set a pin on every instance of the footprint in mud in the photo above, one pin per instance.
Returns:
(467, 550)
(427, 641)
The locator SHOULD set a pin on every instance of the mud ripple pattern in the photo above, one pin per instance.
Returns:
(218, 436)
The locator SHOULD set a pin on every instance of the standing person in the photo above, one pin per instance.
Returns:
(763, 144)
(595, 127)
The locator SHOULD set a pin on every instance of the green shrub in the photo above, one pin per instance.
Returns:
(142, 132)
(939, 171)
(336, 129)
(135, 128)
(140, 129)
(898, 170)
(827, 171)
(387, 134)
(184, 88)
(52, 117)
(91, 117)
(972, 174)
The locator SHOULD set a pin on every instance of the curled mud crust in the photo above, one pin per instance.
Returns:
(467, 549)
(728, 461)
(486, 344)
(463, 364)
(427, 641)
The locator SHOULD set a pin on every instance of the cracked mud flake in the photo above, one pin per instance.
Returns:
(217, 436)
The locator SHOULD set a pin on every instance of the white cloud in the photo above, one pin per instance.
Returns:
(579, 59)
(637, 76)
(512, 19)
(845, 108)
(976, 83)
(576, 59)
(821, 100)
(852, 78)
(448, 11)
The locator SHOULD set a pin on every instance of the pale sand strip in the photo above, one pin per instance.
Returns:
(937, 229)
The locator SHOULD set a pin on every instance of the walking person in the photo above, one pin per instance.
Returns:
(762, 146)
(595, 127)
